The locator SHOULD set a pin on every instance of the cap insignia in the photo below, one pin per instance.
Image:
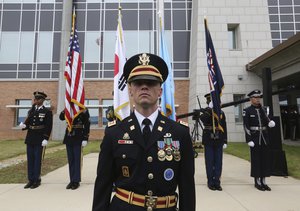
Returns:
(144, 59)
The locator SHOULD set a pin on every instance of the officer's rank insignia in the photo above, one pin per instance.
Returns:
(111, 123)
(126, 136)
(162, 121)
(129, 120)
(161, 154)
(168, 174)
(132, 127)
(125, 171)
(159, 128)
(125, 141)
(184, 123)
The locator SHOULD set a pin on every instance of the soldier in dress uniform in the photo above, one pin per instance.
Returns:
(214, 140)
(39, 126)
(256, 122)
(75, 140)
(146, 155)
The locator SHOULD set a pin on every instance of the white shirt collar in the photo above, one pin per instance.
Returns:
(152, 118)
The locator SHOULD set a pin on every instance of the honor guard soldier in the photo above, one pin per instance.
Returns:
(214, 140)
(256, 122)
(39, 125)
(148, 156)
(75, 140)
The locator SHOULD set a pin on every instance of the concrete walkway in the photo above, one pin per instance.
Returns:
(238, 192)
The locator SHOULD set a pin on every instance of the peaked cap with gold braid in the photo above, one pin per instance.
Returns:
(145, 66)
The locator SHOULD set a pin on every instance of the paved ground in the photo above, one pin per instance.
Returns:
(238, 192)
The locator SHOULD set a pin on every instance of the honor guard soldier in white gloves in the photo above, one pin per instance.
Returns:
(214, 141)
(256, 123)
(75, 140)
(39, 126)
(148, 156)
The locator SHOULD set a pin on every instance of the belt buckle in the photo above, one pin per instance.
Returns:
(150, 202)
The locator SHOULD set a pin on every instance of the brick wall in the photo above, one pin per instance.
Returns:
(10, 91)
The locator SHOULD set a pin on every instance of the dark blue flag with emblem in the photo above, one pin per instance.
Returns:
(215, 78)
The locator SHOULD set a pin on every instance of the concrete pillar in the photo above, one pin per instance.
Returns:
(58, 125)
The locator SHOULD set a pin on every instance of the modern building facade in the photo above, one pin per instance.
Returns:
(34, 37)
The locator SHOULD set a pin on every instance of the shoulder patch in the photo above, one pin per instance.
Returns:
(184, 123)
(111, 123)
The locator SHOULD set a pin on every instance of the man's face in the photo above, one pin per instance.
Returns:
(255, 101)
(38, 101)
(145, 93)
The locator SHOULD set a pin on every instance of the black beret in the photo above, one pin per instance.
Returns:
(255, 93)
(38, 94)
(145, 66)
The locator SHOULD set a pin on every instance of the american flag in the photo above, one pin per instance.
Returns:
(74, 99)
(215, 78)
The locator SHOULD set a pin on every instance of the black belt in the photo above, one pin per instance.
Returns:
(258, 128)
(36, 127)
(77, 126)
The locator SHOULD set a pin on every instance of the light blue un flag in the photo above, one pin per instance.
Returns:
(167, 99)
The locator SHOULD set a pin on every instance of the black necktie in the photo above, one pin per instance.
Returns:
(146, 129)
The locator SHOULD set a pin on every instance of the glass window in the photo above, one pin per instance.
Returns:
(46, 21)
(238, 109)
(9, 44)
(107, 102)
(146, 42)
(109, 39)
(233, 36)
(93, 21)
(21, 113)
(26, 47)
(45, 44)
(181, 46)
(47, 1)
(92, 53)
(179, 20)
(94, 112)
(11, 21)
(28, 20)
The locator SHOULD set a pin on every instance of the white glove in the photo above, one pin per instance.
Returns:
(22, 125)
(84, 143)
(224, 146)
(44, 143)
(271, 123)
(210, 104)
(251, 144)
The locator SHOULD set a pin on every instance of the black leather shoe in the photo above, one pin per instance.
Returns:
(75, 185)
(219, 188)
(259, 187)
(35, 185)
(266, 187)
(69, 186)
(211, 187)
(28, 185)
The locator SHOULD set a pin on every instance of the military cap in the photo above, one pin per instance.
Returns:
(145, 66)
(255, 93)
(39, 95)
(207, 96)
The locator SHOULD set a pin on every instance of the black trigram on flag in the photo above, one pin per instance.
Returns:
(122, 83)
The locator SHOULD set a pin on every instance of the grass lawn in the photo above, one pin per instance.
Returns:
(18, 173)
(13, 148)
(292, 153)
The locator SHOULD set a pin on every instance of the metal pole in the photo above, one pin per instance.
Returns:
(59, 126)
